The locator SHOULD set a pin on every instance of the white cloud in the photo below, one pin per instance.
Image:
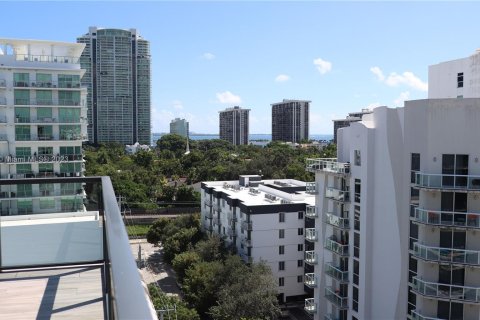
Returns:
(378, 72)
(177, 105)
(228, 98)
(208, 56)
(282, 78)
(394, 79)
(323, 66)
(401, 99)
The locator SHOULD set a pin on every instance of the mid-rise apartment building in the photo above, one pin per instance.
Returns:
(42, 124)
(352, 117)
(179, 126)
(234, 125)
(117, 64)
(262, 220)
(290, 120)
(399, 215)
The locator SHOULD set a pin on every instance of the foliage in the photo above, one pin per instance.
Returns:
(161, 302)
(137, 229)
(183, 261)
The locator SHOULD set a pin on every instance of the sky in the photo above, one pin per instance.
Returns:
(208, 56)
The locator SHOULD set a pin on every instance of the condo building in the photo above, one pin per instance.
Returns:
(262, 220)
(117, 64)
(399, 215)
(290, 120)
(234, 125)
(352, 117)
(42, 124)
(180, 127)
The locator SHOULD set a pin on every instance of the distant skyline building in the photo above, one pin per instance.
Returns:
(117, 64)
(179, 126)
(352, 117)
(455, 79)
(234, 125)
(290, 120)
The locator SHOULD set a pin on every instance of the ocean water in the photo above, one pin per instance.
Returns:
(256, 136)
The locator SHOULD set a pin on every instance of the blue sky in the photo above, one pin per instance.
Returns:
(207, 56)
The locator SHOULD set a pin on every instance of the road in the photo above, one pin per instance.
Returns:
(155, 269)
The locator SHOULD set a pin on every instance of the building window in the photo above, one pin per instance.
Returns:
(356, 220)
(281, 217)
(356, 245)
(358, 189)
(356, 271)
(281, 249)
(300, 279)
(300, 247)
(300, 263)
(355, 298)
(460, 80)
(281, 233)
(281, 265)
(300, 231)
(357, 158)
(300, 215)
(281, 282)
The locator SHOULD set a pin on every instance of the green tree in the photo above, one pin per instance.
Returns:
(211, 249)
(162, 302)
(173, 142)
(183, 261)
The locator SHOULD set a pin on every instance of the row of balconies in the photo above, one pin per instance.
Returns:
(47, 137)
(329, 165)
(447, 218)
(23, 120)
(332, 243)
(445, 291)
(40, 193)
(446, 255)
(48, 102)
(44, 84)
(43, 174)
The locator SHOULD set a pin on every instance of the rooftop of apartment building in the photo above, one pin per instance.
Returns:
(233, 109)
(355, 116)
(290, 100)
(253, 191)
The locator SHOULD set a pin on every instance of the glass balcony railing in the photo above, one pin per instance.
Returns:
(333, 245)
(327, 165)
(447, 218)
(48, 84)
(48, 102)
(311, 212)
(311, 187)
(330, 316)
(46, 58)
(417, 315)
(310, 280)
(445, 291)
(335, 272)
(247, 225)
(310, 306)
(311, 257)
(93, 240)
(333, 295)
(311, 234)
(337, 195)
(333, 220)
(446, 181)
(446, 255)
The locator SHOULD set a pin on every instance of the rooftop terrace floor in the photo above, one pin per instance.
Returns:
(54, 293)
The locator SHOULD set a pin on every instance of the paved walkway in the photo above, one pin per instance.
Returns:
(155, 269)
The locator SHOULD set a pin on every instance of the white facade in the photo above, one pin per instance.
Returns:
(42, 122)
(455, 79)
(179, 126)
(412, 216)
(262, 220)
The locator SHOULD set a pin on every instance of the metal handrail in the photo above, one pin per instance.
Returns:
(449, 255)
(446, 181)
(447, 218)
(443, 290)
(327, 165)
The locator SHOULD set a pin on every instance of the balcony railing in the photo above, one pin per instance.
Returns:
(336, 221)
(311, 212)
(47, 137)
(328, 165)
(447, 181)
(330, 316)
(311, 187)
(333, 295)
(335, 246)
(247, 225)
(311, 234)
(48, 84)
(446, 291)
(311, 257)
(447, 218)
(335, 272)
(48, 102)
(417, 315)
(49, 120)
(96, 236)
(337, 194)
(446, 255)
(310, 280)
(46, 58)
(310, 306)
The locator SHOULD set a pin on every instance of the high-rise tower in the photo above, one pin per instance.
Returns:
(290, 120)
(234, 125)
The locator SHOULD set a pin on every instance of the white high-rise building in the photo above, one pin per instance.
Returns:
(263, 220)
(42, 123)
(455, 79)
(399, 215)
